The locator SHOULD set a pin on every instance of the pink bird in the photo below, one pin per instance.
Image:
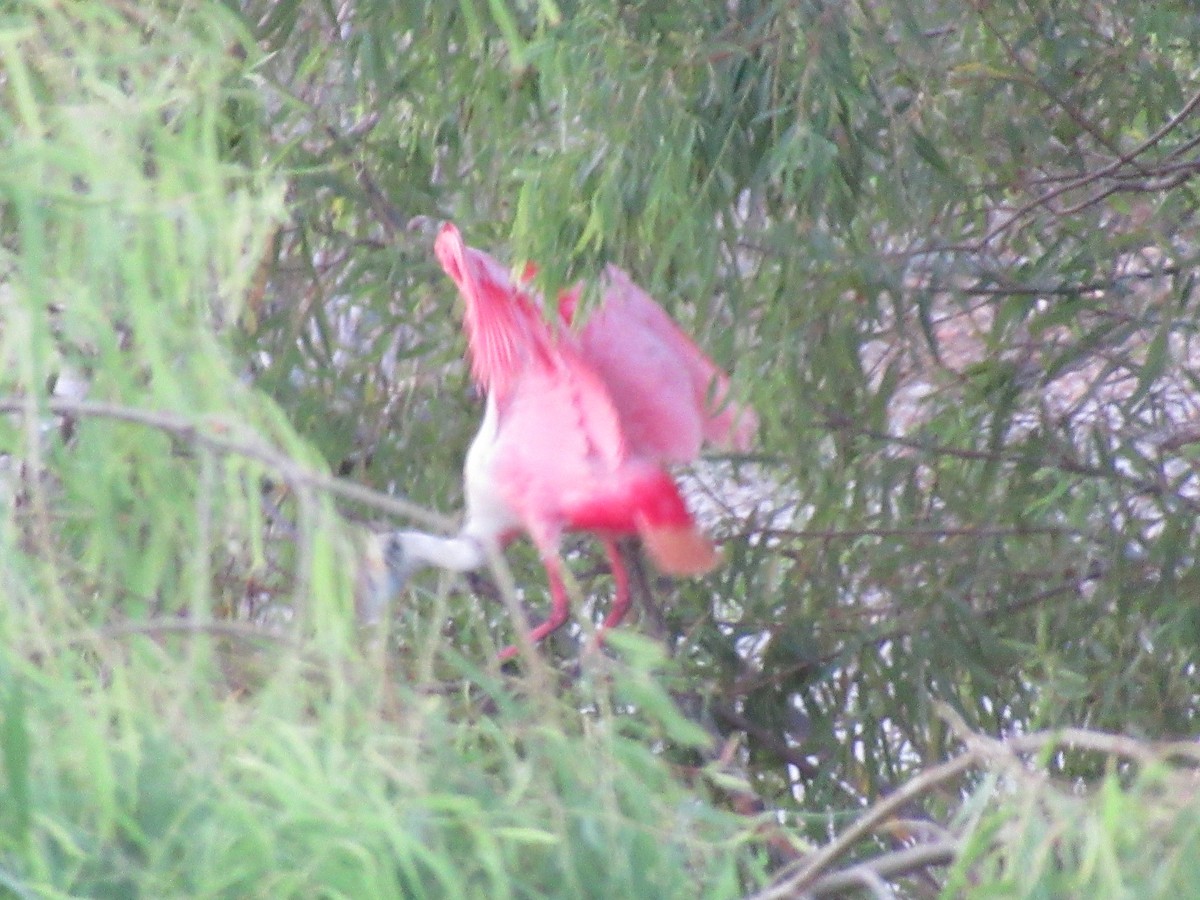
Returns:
(576, 433)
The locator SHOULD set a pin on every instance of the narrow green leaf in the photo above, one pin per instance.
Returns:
(14, 750)
(507, 24)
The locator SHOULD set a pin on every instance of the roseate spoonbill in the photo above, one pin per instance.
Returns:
(575, 435)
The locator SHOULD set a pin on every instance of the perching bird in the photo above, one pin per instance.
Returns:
(575, 436)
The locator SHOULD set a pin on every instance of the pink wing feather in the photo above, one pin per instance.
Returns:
(670, 395)
(504, 328)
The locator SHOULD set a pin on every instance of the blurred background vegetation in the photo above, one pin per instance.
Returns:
(947, 250)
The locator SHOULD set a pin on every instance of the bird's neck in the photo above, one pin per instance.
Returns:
(459, 553)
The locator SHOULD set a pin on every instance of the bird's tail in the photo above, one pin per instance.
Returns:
(680, 549)
(646, 500)
(672, 538)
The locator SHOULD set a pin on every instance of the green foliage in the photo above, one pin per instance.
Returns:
(946, 251)
(174, 789)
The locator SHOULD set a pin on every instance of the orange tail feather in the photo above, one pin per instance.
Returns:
(679, 549)
(668, 530)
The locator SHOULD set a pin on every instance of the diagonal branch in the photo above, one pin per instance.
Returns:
(1063, 461)
(1087, 178)
(803, 877)
(887, 867)
(215, 435)
(795, 879)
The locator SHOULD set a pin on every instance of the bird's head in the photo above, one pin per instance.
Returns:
(390, 559)
(384, 571)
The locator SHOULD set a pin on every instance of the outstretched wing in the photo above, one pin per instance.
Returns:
(670, 395)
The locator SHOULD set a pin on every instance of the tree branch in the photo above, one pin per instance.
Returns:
(214, 434)
(728, 715)
(804, 876)
(152, 627)
(1077, 738)
(980, 532)
(1062, 462)
(1092, 177)
(793, 880)
(888, 866)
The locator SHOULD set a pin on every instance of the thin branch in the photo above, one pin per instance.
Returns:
(1092, 177)
(728, 715)
(1062, 462)
(1187, 165)
(1176, 440)
(1070, 585)
(1031, 77)
(753, 681)
(386, 213)
(1171, 124)
(981, 532)
(1130, 187)
(889, 866)
(803, 877)
(1075, 738)
(1065, 290)
(214, 434)
(793, 880)
(869, 879)
(151, 627)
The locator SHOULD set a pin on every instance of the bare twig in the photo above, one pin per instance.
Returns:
(1062, 462)
(1031, 77)
(887, 866)
(1076, 738)
(151, 627)
(1143, 186)
(804, 877)
(214, 434)
(794, 882)
(981, 532)
(1009, 289)
(1099, 174)
(769, 740)
(1069, 585)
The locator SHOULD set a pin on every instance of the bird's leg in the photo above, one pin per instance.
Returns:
(621, 596)
(560, 607)
(650, 612)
